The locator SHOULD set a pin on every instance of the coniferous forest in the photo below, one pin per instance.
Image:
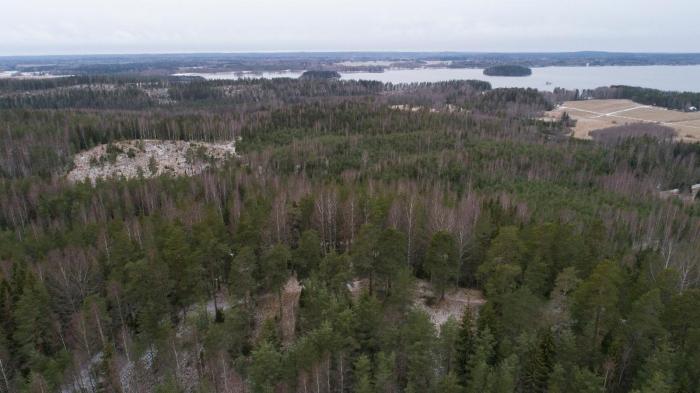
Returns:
(364, 238)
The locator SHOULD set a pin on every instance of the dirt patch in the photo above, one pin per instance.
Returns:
(593, 115)
(357, 286)
(268, 307)
(601, 106)
(439, 311)
(453, 305)
(148, 158)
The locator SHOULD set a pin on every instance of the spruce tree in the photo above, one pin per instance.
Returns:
(479, 365)
(539, 364)
(265, 367)
(465, 346)
(449, 383)
(384, 375)
(363, 377)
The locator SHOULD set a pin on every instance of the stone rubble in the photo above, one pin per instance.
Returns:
(129, 159)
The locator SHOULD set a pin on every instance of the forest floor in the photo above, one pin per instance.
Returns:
(148, 157)
(453, 305)
(591, 115)
(135, 373)
(268, 307)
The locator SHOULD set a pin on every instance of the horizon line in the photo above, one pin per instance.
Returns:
(357, 51)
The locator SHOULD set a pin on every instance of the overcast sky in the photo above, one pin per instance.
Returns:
(157, 26)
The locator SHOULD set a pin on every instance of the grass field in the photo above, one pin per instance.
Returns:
(593, 115)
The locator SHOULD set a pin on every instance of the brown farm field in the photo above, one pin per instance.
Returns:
(593, 115)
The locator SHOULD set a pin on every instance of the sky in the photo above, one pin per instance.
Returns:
(32, 27)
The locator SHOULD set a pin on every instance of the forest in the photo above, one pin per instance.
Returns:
(682, 101)
(323, 256)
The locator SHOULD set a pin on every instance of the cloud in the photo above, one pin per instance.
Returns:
(109, 26)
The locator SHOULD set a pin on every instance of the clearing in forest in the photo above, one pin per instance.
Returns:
(593, 115)
(439, 310)
(453, 305)
(148, 157)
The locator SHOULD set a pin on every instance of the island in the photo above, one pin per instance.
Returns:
(311, 74)
(508, 70)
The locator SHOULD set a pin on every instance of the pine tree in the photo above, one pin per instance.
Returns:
(34, 335)
(121, 250)
(241, 283)
(307, 256)
(147, 283)
(270, 333)
(212, 251)
(502, 280)
(537, 276)
(368, 320)
(657, 384)
(318, 304)
(365, 253)
(586, 381)
(596, 303)
(251, 223)
(442, 261)
(107, 374)
(186, 274)
(402, 292)
(153, 165)
(335, 271)
(273, 265)
(506, 247)
(659, 364)
(391, 255)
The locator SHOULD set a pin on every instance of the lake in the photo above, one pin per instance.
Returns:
(29, 75)
(676, 78)
(243, 74)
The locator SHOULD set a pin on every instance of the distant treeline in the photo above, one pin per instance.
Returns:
(667, 99)
(619, 134)
(165, 64)
(16, 85)
(135, 92)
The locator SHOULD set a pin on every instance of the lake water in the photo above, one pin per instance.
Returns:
(675, 78)
(29, 75)
(243, 74)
